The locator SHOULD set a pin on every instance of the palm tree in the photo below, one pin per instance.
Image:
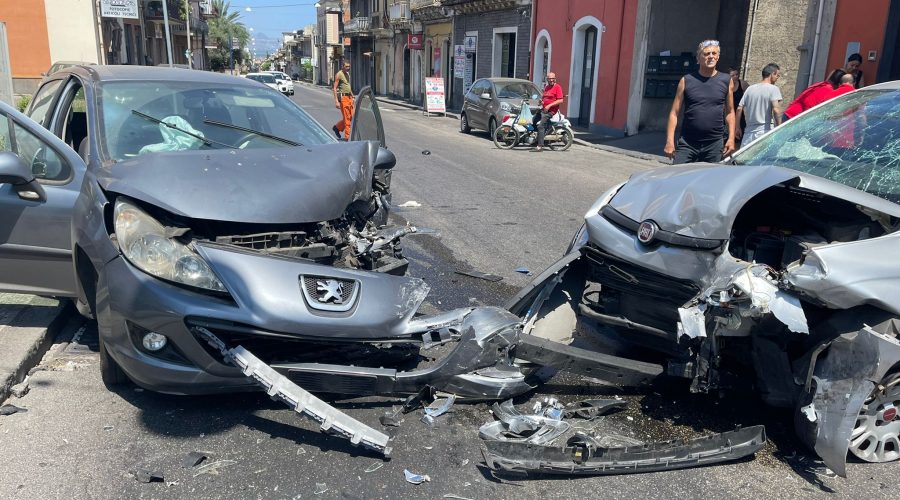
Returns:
(224, 27)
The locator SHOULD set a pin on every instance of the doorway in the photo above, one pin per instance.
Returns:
(406, 73)
(586, 89)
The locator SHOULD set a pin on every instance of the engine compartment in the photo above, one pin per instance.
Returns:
(778, 225)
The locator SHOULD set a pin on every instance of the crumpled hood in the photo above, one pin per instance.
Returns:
(700, 201)
(284, 185)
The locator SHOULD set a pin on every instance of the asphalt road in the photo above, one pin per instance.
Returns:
(495, 211)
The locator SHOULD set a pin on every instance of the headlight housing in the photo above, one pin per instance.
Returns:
(143, 241)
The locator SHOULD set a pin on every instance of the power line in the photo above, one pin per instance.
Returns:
(273, 6)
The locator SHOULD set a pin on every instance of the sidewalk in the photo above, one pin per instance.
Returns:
(644, 145)
(28, 325)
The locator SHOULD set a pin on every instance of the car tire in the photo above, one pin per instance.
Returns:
(110, 371)
(492, 126)
(874, 437)
(464, 124)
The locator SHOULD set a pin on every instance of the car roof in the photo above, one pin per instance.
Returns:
(507, 80)
(109, 73)
(894, 85)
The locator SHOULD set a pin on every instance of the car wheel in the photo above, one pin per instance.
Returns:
(876, 435)
(110, 371)
(492, 126)
(464, 124)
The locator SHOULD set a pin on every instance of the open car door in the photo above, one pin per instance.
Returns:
(39, 183)
(366, 125)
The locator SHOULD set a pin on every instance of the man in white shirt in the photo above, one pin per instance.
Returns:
(761, 105)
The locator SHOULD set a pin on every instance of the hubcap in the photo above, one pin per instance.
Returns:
(876, 435)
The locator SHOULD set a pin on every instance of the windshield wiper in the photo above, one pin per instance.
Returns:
(202, 139)
(250, 130)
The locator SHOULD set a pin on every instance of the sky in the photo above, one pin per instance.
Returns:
(268, 18)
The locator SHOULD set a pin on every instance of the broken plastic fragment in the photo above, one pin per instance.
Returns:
(213, 468)
(374, 467)
(590, 409)
(320, 488)
(391, 418)
(440, 406)
(693, 321)
(10, 409)
(810, 412)
(523, 270)
(415, 478)
(766, 297)
(480, 275)
(193, 459)
(147, 476)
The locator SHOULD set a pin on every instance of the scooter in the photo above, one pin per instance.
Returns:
(516, 130)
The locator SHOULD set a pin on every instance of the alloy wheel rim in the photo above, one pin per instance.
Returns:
(876, 434)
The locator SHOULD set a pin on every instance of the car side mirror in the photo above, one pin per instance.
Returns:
(14, 171)
(486, 96)
(385, 159)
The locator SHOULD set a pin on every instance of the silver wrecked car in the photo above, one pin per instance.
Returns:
(775, 273)
(163, 200)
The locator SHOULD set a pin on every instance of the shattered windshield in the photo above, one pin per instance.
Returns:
(197, 116)
(853, 140)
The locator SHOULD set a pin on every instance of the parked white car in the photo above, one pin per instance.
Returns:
(271, 81)
(284, 79)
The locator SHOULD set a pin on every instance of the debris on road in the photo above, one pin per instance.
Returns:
(410, 204)
(392, 418)
(583, 455)
(550, 408)
(147, 476)
(426, 152)
(320, 488)
(10, 409)
(415, 478)
(437, 408)
(374, 468)
(193, 459)
(424, 397)
(590, 409)
(480, 275)
(213, 468)
(523, 270)
(21, 389)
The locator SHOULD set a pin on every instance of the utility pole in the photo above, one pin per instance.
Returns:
(165, 4)
(187, 24)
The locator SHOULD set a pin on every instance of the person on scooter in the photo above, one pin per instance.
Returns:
(550, 101)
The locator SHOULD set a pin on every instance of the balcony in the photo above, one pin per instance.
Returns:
(420, 4)
(399, 12)
(358, 26)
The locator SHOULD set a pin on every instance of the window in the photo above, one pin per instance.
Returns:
(503, 63)
(45, 164)
(42, 101)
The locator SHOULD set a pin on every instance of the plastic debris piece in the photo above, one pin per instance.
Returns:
(440, 406)
(457, 497)
(10, 409)
(415, 478)
(590, 409)
(480, 275)
(550, 408)
(426, 152)
(424, 397)
(193, 459)
(392, 418)
(147, 476)
(320, 488)
(410, 204)
(374, 468)
(523, 270)
(213, 468)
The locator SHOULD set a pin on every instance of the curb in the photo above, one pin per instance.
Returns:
(31, 341)
(626, 152)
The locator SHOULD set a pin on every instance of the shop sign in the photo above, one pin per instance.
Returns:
(127, 9)
(414, 41)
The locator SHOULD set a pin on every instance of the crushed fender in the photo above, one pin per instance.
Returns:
(582, 455)
(277, 386)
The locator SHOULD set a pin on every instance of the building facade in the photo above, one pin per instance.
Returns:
(495, 36)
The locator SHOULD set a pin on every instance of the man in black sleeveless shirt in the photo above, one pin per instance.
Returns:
(707, 96)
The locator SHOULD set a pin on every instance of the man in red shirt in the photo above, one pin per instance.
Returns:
(552, 98)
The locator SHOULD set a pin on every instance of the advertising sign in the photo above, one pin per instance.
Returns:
(127, 9)
(414, 41)
(434, 95)
(459, 61)
(471, 43)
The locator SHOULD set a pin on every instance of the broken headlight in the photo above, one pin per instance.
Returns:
(145, 244)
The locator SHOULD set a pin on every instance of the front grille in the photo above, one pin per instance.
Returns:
(266, 241)
(662, 236)
(630, 291)
(326, 293)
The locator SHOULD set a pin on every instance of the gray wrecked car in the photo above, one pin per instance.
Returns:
(774, 273)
